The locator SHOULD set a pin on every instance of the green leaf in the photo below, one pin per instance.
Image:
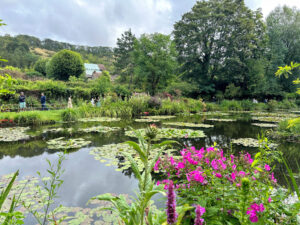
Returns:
(134, 166)
(138, 149)
(5, 193)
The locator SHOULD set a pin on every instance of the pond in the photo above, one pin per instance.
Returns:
(87, 174)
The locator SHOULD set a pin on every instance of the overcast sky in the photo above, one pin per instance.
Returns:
(100, 22)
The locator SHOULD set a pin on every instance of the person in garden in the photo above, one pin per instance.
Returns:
(43, 101)
(98, 103)
(93, 102)
(70, 106)
(22, 102)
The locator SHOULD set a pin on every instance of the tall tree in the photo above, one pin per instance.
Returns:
(283, 28)
(155, 61)
(215, 41)
(123, 52)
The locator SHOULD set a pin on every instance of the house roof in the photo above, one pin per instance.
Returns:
(91, 68)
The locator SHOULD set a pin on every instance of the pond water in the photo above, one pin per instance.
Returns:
(85, 177)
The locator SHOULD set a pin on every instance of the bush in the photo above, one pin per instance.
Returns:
(154, 103)
(247, 105)
(139, 104)
(28, 118)
(182, 89)
(122, 91)
(64, 64)
(69, 115)
(231, 105)
(34, 74)
(40, 66)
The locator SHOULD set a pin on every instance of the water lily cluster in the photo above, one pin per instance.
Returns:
(210, 179)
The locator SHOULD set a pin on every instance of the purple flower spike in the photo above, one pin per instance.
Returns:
(171, 204)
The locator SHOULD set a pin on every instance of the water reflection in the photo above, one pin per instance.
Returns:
(86, 177)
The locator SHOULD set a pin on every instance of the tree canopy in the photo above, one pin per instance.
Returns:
(64, 64)
(216, 40)
(155, 61)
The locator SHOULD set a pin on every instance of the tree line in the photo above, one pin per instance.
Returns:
(219, 49)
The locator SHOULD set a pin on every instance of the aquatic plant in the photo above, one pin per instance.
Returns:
(98, 129)
(265, 125)
(99, 119)
(62, 143)
(170, 133)
(12, 134)
(183, 124)
(251, 142)
(221, 120)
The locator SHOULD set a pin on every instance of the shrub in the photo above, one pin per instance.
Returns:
(154, 103)
(139, 104)
(40, 66)
(34, 74)
(64, 64)
(69, 115)
(247, 105)
(28, 118)
(231, 105)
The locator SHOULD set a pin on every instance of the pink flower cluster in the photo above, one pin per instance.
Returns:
(253, 210)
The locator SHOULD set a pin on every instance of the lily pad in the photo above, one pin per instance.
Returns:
(99, 129)
(60, 143)
(269, 119)
(147, 120)
(250, 142)
(99, 119)
(113, 153)
(221, 120)
(11, 134)
(93, 213)
(214, 113)
(158, 117)
(267, 125)
(53, 130)
(182, 124)
(171, 133)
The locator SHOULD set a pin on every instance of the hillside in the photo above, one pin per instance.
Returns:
(23, 51)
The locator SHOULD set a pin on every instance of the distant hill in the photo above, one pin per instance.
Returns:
(23, 51)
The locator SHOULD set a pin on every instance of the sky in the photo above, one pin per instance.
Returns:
(101, 22)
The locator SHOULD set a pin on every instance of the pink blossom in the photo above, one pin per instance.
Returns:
(242, 173)
(232, 158)
(269, 199)
(267, 167)
(218, 175)
(273, 178)
(156, 166)
(234, 167)
(233, 176)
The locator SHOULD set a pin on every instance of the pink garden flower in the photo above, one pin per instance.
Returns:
(267, 167)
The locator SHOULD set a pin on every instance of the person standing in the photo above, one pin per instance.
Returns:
(43, 101)
(22, 102)
(98, 104)
(93, 102)
(70, 106)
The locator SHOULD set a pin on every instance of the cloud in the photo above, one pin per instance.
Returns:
(268, 5)
(98, 22)
(90, 22)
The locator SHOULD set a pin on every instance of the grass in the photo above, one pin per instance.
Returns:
(32, 117)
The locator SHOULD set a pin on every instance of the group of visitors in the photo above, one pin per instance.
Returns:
(96, 102)
(22, 102)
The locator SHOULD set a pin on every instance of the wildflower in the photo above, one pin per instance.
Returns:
(218, 175)
(269, 199)
(199, 212)
(232, 158)
(233, 167)
(158, 183)
(156, 166)
(233, 176)
(171, 204)
(253, 210)
(273, 178)
(267, 167)
(242, 173)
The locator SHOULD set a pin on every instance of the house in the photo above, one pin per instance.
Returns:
(92, 71)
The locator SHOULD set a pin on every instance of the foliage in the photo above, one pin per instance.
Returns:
(123, 55)
(213, 43)
(140, 211)
(155, 61)
(229, 186)
(12, 216)
(40, 66)
(6, 85)
(103, 85)
(69, 115)
(51, 187)
(64, 64)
